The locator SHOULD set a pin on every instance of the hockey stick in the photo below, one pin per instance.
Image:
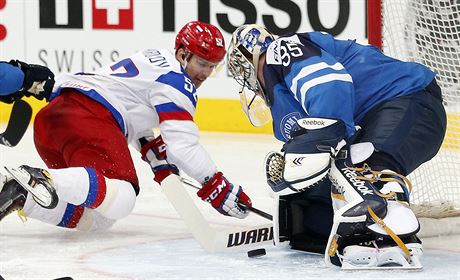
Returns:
(210, 239)
(244, 206)
(20, 117)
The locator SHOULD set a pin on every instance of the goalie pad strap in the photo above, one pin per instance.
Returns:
(396, 238)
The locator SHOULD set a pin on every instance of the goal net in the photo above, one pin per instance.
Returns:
(428, 32)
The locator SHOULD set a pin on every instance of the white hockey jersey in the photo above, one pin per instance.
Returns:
(149, 90)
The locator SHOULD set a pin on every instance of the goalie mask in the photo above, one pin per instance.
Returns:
(248, 43)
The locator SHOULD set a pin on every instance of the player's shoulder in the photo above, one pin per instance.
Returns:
(160, 60)
(165, 71)
(291, 47)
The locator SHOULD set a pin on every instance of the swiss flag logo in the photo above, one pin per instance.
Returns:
(110, 14)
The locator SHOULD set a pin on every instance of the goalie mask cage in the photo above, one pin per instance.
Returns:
(428, 32)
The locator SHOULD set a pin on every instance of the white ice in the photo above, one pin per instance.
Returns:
(154, 243)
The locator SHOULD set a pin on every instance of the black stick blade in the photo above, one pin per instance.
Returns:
(21, 114)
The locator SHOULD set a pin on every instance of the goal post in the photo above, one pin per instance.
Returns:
(428, 32)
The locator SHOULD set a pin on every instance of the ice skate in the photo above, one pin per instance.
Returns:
(12, 197)
(37, 182)
(388, 258)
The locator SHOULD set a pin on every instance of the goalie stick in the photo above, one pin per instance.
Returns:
(20, 117)
(210, 239)
(244, 206)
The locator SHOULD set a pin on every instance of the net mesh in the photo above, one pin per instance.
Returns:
(428, 31)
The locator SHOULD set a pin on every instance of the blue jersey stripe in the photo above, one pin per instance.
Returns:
(181, 83)
(93, 188)
(168, 107)
(68, 214)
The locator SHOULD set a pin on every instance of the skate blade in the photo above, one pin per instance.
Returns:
(414, 266)
(39, 192)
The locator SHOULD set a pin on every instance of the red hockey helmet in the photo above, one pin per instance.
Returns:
(202, 39)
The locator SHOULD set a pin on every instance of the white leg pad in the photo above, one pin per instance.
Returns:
(93, 221)
(400, 219)
(72, 184)
(53, 216)
(119, 201)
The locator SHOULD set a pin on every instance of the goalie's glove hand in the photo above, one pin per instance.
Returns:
(38, 80)
(224, 196)
(154, 153)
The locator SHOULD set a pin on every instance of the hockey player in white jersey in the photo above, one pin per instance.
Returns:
(355, 122)
(83, 135)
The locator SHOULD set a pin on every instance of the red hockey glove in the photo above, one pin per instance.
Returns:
(154, 152)
(224, 196)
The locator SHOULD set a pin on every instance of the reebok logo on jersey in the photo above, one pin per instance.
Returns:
(315, 123)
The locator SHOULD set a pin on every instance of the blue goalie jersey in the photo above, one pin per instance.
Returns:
(313, 74)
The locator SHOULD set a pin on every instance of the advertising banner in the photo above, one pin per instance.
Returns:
(82, 35)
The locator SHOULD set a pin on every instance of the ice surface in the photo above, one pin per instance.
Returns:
(153, 242)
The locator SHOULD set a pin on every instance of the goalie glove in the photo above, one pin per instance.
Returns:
(154, 153)
(38, 80)
(307, 156)
(224, 196)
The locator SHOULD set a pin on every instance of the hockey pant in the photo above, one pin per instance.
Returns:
(90, 163)
(406, 131)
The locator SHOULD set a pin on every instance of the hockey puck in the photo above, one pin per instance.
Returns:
(257, 253)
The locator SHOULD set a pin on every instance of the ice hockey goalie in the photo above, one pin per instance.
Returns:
(337, 205)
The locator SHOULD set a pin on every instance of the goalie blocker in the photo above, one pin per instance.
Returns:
(343, 215)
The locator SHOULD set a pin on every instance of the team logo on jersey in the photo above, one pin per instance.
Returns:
(289, 124)
(273, 54)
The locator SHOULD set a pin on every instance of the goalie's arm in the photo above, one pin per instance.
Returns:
(18, 79)
(11, 78)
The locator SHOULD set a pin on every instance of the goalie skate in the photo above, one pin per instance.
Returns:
(390, 258)
(38, 183)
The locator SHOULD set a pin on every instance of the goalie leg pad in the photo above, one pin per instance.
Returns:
(400, 219)
(356, 225)
(352, 198)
